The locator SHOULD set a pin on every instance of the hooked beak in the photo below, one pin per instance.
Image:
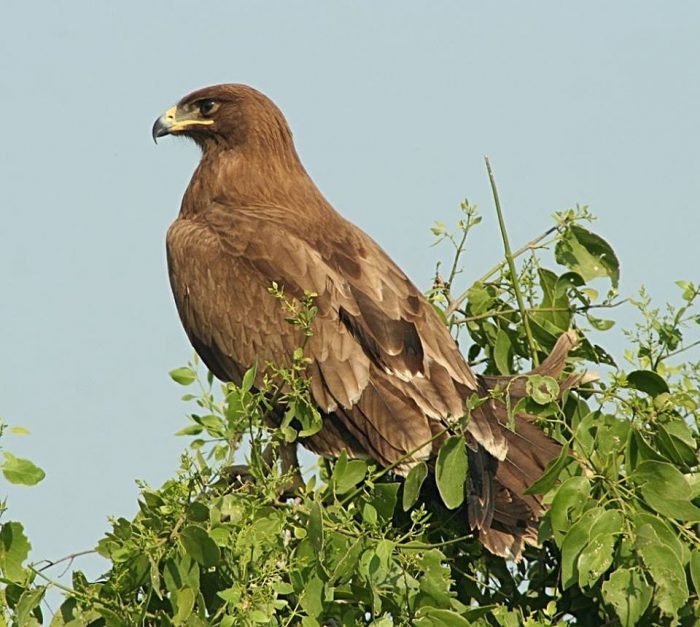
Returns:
(175, 121)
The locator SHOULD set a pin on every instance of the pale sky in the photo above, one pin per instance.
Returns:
(393, 105)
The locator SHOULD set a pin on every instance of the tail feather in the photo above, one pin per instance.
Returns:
(505, 517)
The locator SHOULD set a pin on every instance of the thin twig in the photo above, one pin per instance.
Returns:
(511, 264)
(71, 557)
(530, 310)
(680, 350)
(458, 253)
(529, 246)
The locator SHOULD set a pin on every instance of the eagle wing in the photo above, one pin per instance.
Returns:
(384, 369)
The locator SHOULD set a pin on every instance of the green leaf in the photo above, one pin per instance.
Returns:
(629, 595)
(555, 311)
(638, 451)
(412, 485)
(695, 570)
(190, 430)
(200, 546)
(315, 527)
(435, 617)
(384, 500)
(184, 602)
(674, 448)
(479, 299)
(369, 514)
(14, 549)
(666, 490)
(249, 377)
(21, 471)
(348, 473)
(575, 541)
(211, 422)
(667, 572)
(598, 555)
(451, 471)
(28, 606)
(502, 352)
(588, 254)
(310, 419)
(551, 474)
(689, 290)
(312, 598)
(180, 572)
(183, 376)
(663, 534)
(542, 389)
(384, 549)
(282, 587)
(647, 381)
(600, 324)
(567, 505)
(197, 512)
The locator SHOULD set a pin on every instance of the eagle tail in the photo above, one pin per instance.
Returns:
(498, 508)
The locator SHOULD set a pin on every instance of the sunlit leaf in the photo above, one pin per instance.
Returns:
(412, 485)
(551, 473)
(502, 352)
(348, 473)
(588, 254)
(567, 505)
(434, 617)
(200, 546)
(695, 570)
(667, 571)
(249, 377)
(629, 594)
(183, 376)
(542, 389)
(666, 490)
(14, 549)
(315, 528)
(574, 542)
(599, 324)
(21, 471)
(451, 471)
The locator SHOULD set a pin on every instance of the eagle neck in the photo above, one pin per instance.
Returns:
(234, 178)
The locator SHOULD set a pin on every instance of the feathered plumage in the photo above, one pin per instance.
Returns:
(385, 372)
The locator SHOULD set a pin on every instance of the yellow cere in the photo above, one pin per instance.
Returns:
(170, 117)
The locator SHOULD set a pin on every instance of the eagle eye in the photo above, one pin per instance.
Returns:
(206, 107)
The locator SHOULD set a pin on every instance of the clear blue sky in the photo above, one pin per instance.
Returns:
(393, 105)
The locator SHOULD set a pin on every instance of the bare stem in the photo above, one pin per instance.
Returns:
(680, 350)
(511, 264)
(68, 558)
(529, 246)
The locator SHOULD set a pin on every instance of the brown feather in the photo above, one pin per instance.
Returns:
(385, 371)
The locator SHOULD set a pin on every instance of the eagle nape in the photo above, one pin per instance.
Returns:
(383, 369)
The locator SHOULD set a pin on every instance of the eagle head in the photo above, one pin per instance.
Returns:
(225, 116)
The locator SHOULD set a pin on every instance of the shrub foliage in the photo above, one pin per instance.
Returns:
(357, 545)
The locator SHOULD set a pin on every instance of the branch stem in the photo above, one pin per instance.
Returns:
(529, 246)
(511, 264)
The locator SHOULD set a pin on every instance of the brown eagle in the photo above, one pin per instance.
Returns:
(385, 372)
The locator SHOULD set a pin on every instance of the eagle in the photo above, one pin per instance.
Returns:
(383, 369)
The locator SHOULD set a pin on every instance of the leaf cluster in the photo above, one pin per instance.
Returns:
(226, 544)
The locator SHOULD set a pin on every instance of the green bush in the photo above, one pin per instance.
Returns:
(359, 546)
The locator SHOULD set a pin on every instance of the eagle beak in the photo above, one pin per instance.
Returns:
(173, 121)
